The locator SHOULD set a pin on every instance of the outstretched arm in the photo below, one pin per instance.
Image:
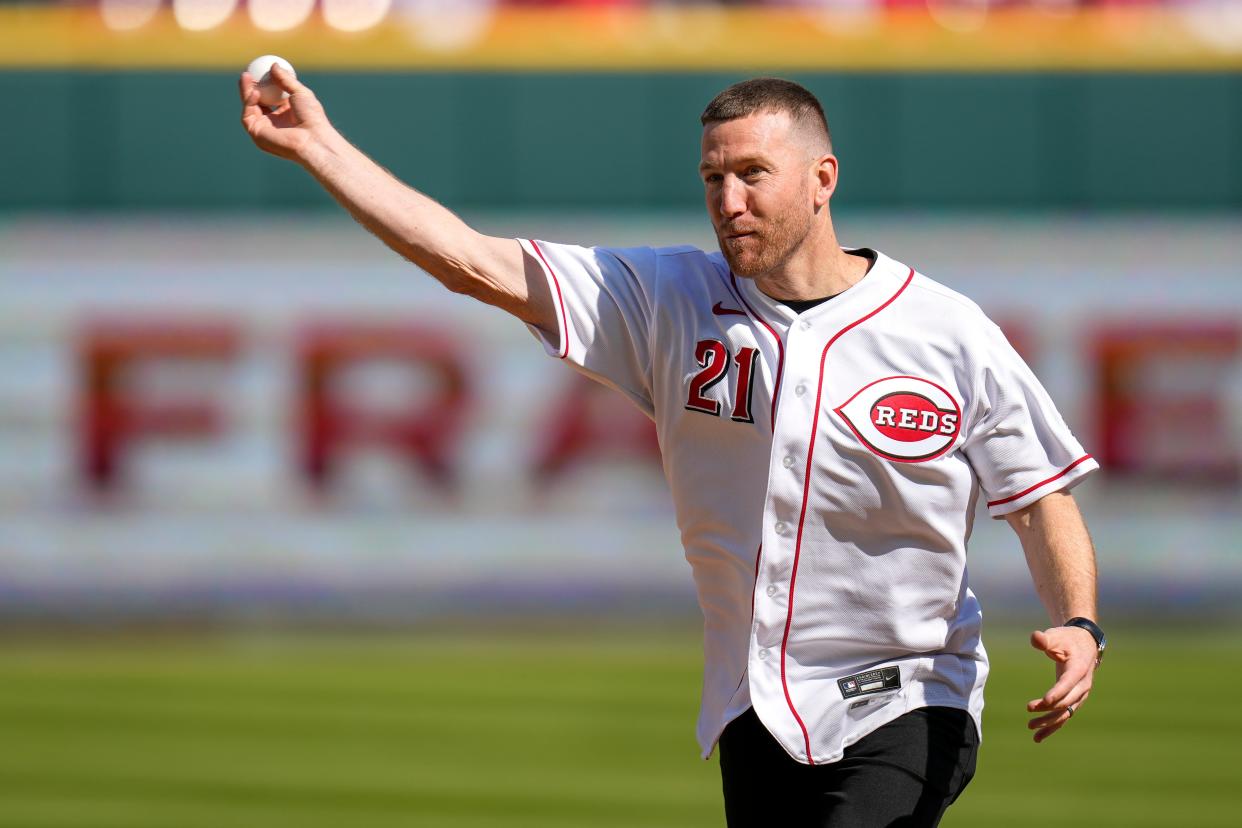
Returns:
(1062, 563)
(492, 270)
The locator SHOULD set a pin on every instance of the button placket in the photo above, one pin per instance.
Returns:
(794, 421)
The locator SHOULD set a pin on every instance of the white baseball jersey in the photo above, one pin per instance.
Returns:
(825, 469)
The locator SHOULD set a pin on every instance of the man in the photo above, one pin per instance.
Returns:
(828, 419)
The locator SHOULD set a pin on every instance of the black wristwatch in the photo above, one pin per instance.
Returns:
(1098, 634)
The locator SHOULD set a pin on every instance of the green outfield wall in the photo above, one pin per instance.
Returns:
(75, 139)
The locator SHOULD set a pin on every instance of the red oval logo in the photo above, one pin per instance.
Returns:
(906, 417)
(903, 418)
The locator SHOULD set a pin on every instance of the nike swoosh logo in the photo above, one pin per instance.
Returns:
(723, 311)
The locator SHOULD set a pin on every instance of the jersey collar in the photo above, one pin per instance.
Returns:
(879, 280)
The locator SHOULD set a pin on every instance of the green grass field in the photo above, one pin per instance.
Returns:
(587, 728)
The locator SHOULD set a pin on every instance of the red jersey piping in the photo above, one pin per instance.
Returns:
(776, 389)
(560, 300)
(1026, 492)
(806, 490)
(780, 346)
(754, 584)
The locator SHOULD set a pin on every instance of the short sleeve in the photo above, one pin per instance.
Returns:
(603, 300)
(1018, 443)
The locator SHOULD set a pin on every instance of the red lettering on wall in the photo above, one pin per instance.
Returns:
(1160, 411)
(589, 421)
(1020, 335)
(115, 410)
(425, 429)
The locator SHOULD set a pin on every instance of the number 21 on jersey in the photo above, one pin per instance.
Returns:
(712, 356)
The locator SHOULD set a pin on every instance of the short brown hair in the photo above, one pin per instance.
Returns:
(768, 95)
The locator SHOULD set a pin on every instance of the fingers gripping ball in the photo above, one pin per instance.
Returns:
(270, 93)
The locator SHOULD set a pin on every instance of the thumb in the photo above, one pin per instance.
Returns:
(1052, 644)
(287, 81)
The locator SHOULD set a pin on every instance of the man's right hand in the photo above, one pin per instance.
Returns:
(289, 129)
(492, 270)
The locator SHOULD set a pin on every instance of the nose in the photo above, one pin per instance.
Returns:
(732, 197)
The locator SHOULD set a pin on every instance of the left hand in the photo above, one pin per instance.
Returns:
(1074, 650)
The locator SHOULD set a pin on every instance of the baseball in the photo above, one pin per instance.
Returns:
(270, 93)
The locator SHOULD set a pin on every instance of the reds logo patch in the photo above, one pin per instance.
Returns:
(906, 419)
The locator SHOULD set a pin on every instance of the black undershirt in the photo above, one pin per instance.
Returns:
(804, 305)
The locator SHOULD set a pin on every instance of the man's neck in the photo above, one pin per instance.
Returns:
(817, 269)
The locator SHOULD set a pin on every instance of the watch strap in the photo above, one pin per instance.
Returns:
(1091, 627)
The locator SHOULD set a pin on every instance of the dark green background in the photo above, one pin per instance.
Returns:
(171, 139)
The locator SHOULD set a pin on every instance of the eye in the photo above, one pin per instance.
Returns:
(712, 178)
(753, 170)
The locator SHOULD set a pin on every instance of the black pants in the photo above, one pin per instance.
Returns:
(903, 774)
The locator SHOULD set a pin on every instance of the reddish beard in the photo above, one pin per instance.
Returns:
(762, 250)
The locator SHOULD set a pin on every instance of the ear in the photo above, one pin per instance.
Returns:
(825, 171)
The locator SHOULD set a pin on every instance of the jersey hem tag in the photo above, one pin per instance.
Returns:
(872, 681)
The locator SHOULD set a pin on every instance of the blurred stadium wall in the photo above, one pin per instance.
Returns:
(219, 398)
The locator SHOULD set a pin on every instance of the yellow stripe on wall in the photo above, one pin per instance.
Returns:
(669, 39)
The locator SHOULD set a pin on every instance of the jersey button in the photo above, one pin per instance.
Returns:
(781, 527)
(804, 325)
(771, 590)
(763, 655)
(788, 462)
(799, 389)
